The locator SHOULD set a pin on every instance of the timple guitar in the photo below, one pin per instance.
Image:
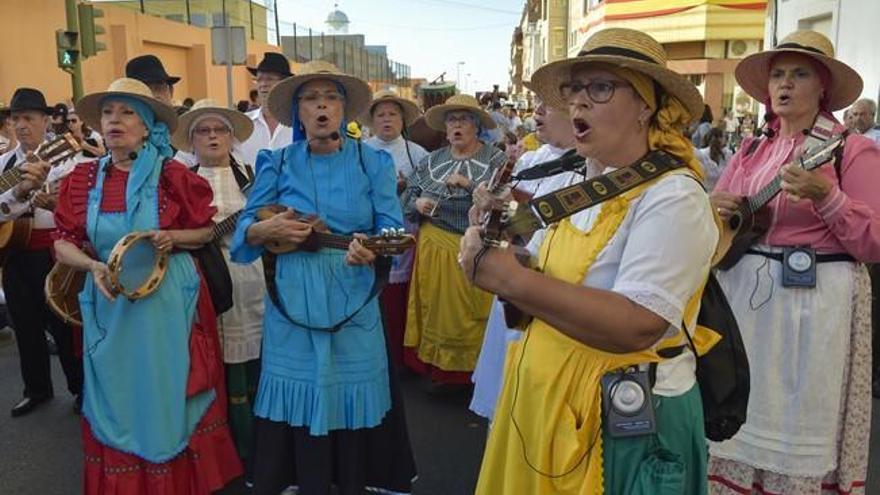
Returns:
(751, 220)
(16, 234)
(387, 243)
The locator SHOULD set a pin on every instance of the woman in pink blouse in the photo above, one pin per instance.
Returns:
(804, 313)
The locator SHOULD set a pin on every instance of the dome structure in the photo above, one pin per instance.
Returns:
(337, 21)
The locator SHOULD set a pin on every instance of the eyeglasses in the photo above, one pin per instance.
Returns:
(314, 97)
(465, 117)
(206, 131)
(599, 91)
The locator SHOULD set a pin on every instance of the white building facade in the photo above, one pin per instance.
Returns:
(850, 24)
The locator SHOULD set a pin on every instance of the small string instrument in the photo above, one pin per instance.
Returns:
(16, 234)
(494, 235)
(751, 220)
(389, 242)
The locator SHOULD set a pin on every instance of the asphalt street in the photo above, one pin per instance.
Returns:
(40, 452)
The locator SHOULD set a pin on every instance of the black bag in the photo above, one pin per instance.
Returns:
(723, 372)
(216, 273)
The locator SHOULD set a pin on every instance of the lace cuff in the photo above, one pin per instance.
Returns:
(654, 299)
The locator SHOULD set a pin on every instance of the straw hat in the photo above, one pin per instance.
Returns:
(410, 110)
(436, 115)
(622, 47)
(242, 126)
(89, 106)
(753, 73)
(357, 92)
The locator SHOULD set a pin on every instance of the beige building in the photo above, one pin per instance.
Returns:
(540, 38)
(705, 39)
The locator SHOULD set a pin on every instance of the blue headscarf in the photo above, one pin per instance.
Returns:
(148, 165)
(299, 132)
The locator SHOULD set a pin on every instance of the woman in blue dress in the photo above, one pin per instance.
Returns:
(324, 405)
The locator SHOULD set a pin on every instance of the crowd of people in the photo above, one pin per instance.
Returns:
(566, 318)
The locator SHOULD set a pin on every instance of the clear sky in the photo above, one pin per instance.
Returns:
(431, 36)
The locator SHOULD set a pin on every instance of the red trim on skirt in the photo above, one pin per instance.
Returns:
(759, 489)
(412, 361)
(208, 462)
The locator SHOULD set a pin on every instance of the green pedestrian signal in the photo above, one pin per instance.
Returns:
(90, 31)
(66, 44)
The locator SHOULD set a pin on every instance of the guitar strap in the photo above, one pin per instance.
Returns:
(382, 268)
(565, 202)
(11, 163)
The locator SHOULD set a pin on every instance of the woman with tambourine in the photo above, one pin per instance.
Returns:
(209, 131)
(154, 399)
(800, 294)
(325, 410)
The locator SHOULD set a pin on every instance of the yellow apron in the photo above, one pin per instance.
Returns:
(547, 432)
(446, 315)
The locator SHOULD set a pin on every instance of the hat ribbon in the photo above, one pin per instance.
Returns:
(619, 51)
(801, 47)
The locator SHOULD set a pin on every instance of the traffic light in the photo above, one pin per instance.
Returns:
(67, 48)
(89, 30)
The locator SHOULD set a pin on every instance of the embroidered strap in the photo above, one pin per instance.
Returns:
(565, 202)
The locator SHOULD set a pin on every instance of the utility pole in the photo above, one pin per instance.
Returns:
(228, 37)
(75, 68)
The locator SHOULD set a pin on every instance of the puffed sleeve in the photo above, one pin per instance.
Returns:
(383, 191)
(264, 192)
(189, 199)
(70, 212)
(852, 209)
(733, 165)
(669, 248)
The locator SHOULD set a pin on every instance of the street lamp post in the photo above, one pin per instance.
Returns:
(458, 73)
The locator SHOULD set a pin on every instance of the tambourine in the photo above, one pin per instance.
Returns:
(136, 266)
(62, 288)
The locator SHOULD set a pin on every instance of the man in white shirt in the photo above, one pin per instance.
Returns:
(268, 132)
(863, 112)
(25, 269)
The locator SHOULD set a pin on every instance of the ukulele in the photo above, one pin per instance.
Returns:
(390, 242)
(752, 220)
(16, 234)
(495, 234)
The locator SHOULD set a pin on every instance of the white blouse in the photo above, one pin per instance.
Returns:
(658, 258)
(241, 328)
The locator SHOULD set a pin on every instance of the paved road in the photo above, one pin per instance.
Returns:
(40, 453)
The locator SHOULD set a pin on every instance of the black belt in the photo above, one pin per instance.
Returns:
(820, 258)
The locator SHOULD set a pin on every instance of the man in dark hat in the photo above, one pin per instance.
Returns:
(25, 270)
(149, 70)
(268, 133)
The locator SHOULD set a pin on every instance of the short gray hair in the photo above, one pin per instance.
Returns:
(872, 106)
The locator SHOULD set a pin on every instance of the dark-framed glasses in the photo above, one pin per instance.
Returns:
(598, 91)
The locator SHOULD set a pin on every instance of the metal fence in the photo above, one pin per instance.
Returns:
(300, 43)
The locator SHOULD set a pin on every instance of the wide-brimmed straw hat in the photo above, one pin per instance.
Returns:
(410, 110)
(89, 106)
(622, 47)
(357, 92)
(242, 126)
(435, 117)
(753, 73)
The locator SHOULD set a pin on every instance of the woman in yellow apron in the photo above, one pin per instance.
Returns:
(614, 285)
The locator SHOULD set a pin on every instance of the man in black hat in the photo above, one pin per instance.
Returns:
(268, 133)
(25, 270)
(149, 70)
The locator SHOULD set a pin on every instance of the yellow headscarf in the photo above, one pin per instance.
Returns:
(665, 128)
